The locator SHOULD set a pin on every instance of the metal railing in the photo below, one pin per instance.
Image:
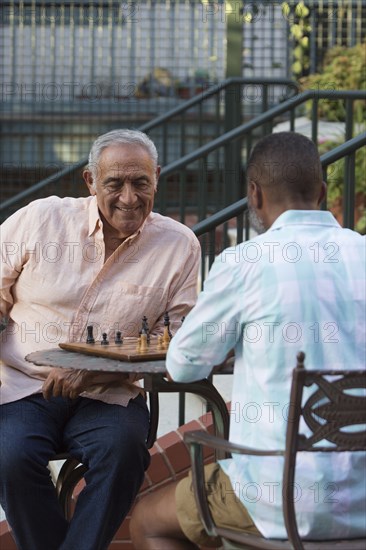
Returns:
(196, 121)
(214, 174)
(211, 177)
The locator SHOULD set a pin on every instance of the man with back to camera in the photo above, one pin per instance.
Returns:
(299, 285)
(105, 260)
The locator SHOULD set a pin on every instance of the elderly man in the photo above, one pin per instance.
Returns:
(106, 260)
(298, 286)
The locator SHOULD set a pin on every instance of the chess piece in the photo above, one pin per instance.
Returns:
(104, 342)
(138, 344)
(144, 336)
(145, 328)
(167, 324)
(90, 337)
(167, 335)
(143, 346)
(118, 339)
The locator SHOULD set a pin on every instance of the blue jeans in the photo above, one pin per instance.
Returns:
(108, 439)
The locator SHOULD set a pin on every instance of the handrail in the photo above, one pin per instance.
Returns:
(150, 126)
(258, 121)
(43, 183)
(344, 149)
(241, 205)
(210, 92)
(220, 217)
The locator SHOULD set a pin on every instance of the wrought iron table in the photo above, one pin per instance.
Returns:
(154, 377)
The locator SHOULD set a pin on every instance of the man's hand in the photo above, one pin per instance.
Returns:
(68, 383)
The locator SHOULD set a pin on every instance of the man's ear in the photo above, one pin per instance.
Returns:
(88, 178)
(255, 194)
(157, 175)
(323, 193)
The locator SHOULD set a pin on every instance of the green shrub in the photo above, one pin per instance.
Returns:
(335, 183)
(344, 69)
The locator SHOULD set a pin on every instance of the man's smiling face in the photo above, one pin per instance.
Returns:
(125, 185)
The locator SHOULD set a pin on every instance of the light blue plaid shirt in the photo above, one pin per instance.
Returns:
(299, 286)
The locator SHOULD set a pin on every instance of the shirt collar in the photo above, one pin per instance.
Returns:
(94, 218)
(304, 217)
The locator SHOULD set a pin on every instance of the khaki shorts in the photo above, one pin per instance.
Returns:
(225, 507)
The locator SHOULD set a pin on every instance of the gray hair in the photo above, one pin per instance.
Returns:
(122, 136)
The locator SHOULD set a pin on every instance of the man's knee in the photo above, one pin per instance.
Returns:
(125, 442)
(139, 526)
(127, 451)
(144, 522)
(137, 522)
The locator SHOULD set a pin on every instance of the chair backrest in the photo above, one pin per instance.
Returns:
(331, 407)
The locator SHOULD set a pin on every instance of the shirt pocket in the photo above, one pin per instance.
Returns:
(128, 304)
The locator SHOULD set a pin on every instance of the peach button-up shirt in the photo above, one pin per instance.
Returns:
(54, 283)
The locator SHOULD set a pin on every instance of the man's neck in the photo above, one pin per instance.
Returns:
(275, 211)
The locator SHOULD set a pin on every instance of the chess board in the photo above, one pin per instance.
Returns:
(127, 351)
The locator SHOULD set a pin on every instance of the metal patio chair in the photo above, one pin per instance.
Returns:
(327, 411)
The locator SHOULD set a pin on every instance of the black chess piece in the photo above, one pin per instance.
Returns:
(145, 328)
(90, 337)
(118, 339)
(167, 323)
(104, 342)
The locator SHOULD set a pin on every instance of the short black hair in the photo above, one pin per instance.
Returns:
(288, 164)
